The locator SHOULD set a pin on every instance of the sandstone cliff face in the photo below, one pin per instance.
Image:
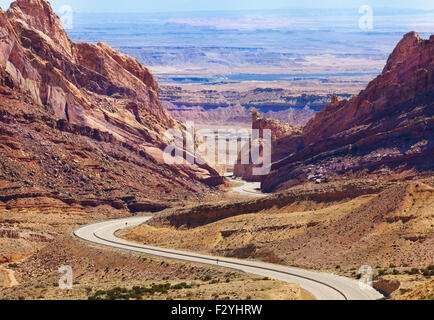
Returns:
(82, 83)
(386, 130)
(81, 124)
(279, 132)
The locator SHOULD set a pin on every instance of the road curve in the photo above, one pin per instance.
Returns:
(246, 188)
(322, 286)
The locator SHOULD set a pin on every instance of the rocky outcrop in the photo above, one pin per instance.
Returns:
(83, 83)
(387, 130)
(81, 122)
(192, 217)
(387, 287)
(278, 132)
(236, 115)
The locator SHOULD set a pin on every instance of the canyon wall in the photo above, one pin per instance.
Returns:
(385, 132)
(81, 125)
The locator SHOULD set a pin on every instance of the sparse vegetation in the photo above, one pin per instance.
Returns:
(136, 293)
(382, 272)
(428, 272)
(206, 278)
(404, 291)
(413, 271)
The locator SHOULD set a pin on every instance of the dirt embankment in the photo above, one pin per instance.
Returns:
(326, 195)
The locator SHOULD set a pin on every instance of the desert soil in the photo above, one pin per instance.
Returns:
(35, 244)
(391, 231)
(100, 273)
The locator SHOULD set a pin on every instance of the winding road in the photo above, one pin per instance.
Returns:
(322, 286)
(245, 187)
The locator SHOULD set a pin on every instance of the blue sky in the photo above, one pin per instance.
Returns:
(205, 5)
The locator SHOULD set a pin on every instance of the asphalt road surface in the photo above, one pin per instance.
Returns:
(246, 188)
(323, 286)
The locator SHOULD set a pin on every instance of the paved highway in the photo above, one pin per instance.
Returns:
(246, 188)
(322, 286)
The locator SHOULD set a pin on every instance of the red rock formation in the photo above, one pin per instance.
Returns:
(387, 129)
(279, 132)
(78, 115)
(386, 286)
(83, 83)
(234, 114)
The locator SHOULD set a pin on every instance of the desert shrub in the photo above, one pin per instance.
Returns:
(404, 291)
(382, 272)
(413, 271)
(181, 285)
(428, 272)
(206, 278)
(136, 293)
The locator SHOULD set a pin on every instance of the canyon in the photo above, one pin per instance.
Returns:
(82, 140)
(353, 187)
(386, 131)
(215, 106)
(77, 115)
(81, 134)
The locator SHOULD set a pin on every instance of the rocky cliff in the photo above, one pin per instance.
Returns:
(386, 131)
(233, 107)
(81, 124)
(279, 132)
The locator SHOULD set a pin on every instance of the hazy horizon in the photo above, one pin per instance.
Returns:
(167, 6)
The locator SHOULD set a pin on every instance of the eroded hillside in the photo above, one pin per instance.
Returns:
(386, 131)
(81, 134)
